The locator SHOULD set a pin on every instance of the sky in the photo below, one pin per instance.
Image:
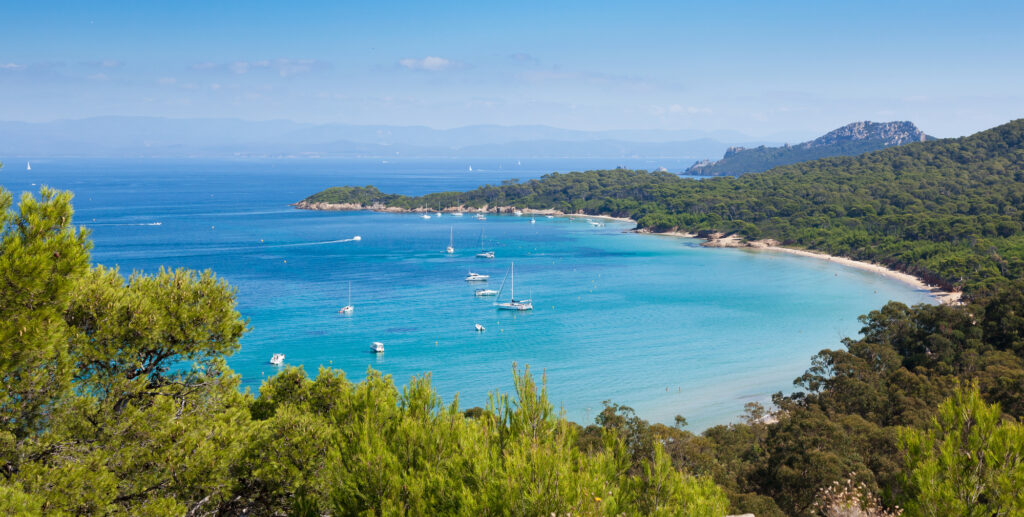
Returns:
(765, 69)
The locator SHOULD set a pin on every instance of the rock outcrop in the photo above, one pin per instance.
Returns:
(849, 140)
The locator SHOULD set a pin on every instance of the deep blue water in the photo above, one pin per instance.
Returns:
(656, 323)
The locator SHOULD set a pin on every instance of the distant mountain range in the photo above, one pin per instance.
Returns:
(165, 137)
(849, 140)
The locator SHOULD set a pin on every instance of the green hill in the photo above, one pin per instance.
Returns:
(849, 140)
(947, 210)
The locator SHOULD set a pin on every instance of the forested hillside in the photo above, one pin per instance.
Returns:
(849, 140)
(946, 210)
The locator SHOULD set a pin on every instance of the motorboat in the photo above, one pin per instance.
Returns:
(485, 292)
(377, 347)
(476, 277)
(479, 327)
(277, 359)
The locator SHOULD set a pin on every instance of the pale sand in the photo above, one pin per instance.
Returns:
(734, 241)
(943, 296)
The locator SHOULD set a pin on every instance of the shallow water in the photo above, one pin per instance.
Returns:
(656, 323)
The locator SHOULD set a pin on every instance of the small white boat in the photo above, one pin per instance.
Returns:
(348, 308)
(595, 223)
(476, 277)
(437, 214)
(485, 292)
(484, 253)
(481, 217)
(457, 214)
(518, 213)
(277, 359)
(533, 221)
(377, 347)
(28, 166)
(512, 304)
(479, 327)
(470, 168)
(425, 216)
(550, 216)
(357, 238)
(451, 242)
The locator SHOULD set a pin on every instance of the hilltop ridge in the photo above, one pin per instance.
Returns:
(850, 140)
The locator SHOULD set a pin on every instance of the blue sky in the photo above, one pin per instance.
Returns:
(765, 68)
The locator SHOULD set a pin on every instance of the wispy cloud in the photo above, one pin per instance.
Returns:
(522, 57)
(105, 63)
(11, 66)
(283, 67)
(430, 64)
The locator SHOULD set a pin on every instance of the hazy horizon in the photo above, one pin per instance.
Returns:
(779, 72)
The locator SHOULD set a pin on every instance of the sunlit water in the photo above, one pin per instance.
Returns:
(656, 323)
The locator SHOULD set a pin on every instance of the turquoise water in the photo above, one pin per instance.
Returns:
(656, 323)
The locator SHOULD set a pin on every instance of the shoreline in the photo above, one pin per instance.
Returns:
(942, 296)
(486, 209)
(714, 240)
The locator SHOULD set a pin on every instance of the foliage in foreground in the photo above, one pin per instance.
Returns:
(116, 400)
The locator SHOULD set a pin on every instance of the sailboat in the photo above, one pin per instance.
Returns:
(348, 308)
(470, 168)
(451, 242)
(28, 166)
(484, 253)
(513, 304)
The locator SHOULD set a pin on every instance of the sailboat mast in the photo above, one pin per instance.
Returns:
(350, 293)
(512, 281)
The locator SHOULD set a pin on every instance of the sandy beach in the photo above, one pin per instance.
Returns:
(769, 245)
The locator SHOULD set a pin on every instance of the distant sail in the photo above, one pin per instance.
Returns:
(28, 166)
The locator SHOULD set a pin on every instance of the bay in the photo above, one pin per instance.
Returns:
(656, 323)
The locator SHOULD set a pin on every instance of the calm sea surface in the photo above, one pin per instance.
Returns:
(656, 323)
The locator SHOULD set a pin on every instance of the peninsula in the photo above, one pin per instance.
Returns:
(944, 211)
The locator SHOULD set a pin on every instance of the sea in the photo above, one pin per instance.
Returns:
(656, 323)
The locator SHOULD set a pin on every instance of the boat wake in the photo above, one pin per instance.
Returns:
(157, 223)
(318, 243)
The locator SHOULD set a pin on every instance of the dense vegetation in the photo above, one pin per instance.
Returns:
(115, 396)
(946, 210)
(116, 400)
(841, 142)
